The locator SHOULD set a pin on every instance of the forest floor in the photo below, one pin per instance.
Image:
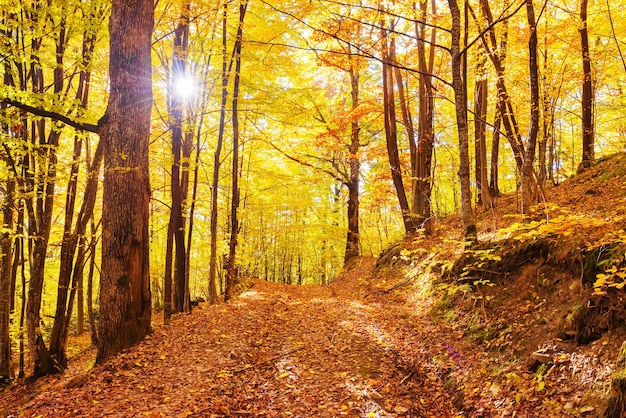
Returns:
(513, 328)
(276, 350)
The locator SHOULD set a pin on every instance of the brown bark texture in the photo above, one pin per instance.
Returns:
(462, 126)
(125, 280)
(587, 95)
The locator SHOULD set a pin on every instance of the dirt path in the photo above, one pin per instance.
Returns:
(274, 351)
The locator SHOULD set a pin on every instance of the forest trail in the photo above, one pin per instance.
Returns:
(275, 351)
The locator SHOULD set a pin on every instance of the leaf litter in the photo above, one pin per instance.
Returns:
(275, 351)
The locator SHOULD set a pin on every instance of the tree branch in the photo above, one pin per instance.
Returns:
(89, 127)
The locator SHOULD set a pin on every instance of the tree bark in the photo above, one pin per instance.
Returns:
(125, 303)
(528, 180)
(410, 224)
(467, 217)
(421, 171)
(507, 114)
(6, 246)
(231, 274)
(217, 163)
(353, 237)
(587, 95)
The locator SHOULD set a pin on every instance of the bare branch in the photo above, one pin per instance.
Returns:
(89, 127)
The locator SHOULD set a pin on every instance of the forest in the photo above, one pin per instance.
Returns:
(165, 159)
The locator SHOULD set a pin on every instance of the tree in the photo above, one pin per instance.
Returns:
(212, 288)
(587, 96)
(528, 179)
(469, 227)
(235, 172)
(176, 229)
(6, 246)
(125, 299)
(72, 245)
(480, 138)
(422, 166)
(389, 112)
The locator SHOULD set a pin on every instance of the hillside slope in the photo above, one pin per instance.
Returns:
(539, 299)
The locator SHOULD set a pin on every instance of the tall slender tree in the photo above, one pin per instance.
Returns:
(217, 162)
(231, 274)
(176, 228)
(467, 216)
(391, 134)
(587, 95)
(528, 173)
(422, 166)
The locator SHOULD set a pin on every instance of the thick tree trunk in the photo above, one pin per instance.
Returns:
(125, 303)
(462, 126)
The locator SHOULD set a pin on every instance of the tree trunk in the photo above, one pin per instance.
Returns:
(546, 130)
(40, 180)
(497, 55)
(231, 273)
(495, 153)
(467, 217)
(92, 267)
(528, 180)
(217, 163)
(6, 246)
(587, 95)
(125, 304)
(177, 222)
(410, 224)
(353, 237)
(58, 339)
(422, 185)
(480, 138)
(168, 305)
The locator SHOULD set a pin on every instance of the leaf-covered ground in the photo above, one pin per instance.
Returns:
(398, 340)
(276, 350)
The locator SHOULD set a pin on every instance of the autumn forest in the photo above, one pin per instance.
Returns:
(157, 155)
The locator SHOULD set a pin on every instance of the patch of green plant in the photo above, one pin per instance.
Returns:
(576, 314)
(449, 383)
(616, 170)
(563, 225)
(476, 330)
(611, 260)
(450, 316)
(474, 272)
